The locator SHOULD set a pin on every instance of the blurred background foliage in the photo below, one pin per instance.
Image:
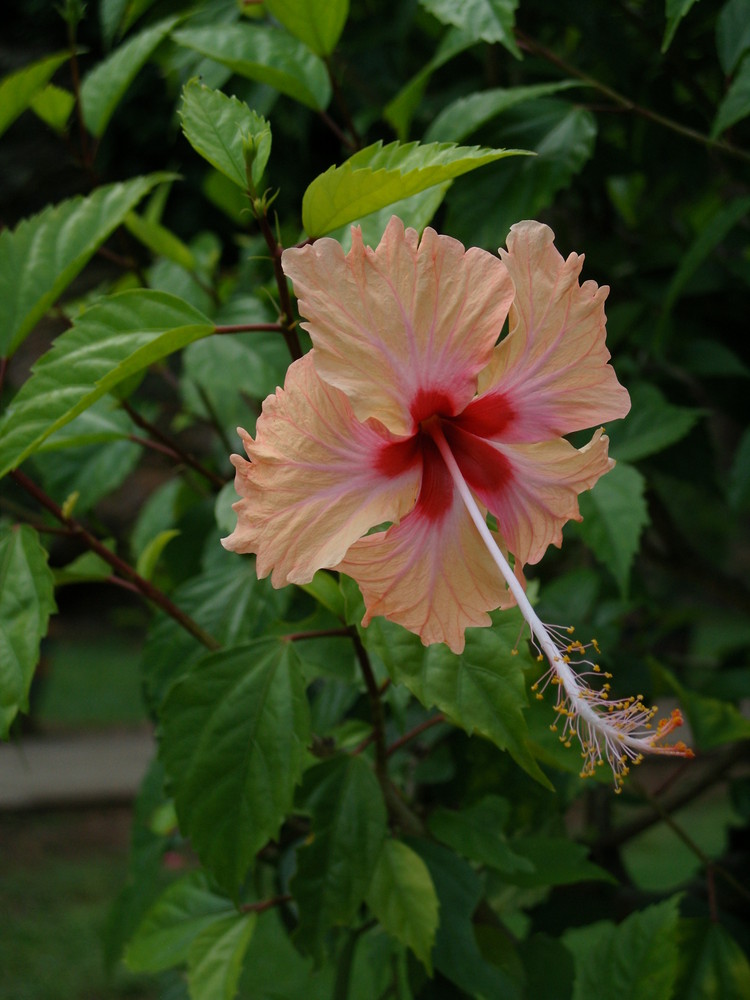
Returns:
(640, 118)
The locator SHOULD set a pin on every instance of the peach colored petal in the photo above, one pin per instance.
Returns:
(405, 329)
(434, 577)
(550, 375)
(313, 485)
(538, 490)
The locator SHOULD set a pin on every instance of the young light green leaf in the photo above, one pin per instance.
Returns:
(317, 23)
(476, 833)
(53, 105)
(675, 10)
(652, 425)
(103, 87)
(381, 175)
(736, 102)
(467, 114)
(221, 129)
(484, 20)
(266, 54)
(483, 689)
(235, 733)
(44, 253)
(403, 898)
(614, 515)
(161, 241)
(216, 956)
(335, 868)
(733, 33)
(112, 340)
(149, 558)
(167, 932)
(416, 212)
(26, 602)
(18, 89)
(637, 958)
(712, 966)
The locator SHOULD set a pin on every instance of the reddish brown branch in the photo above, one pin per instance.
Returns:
(144, 587)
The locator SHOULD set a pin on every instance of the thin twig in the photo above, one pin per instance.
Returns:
(266, 904)
(288, 324)
(144, 587)
(171, 447)
(531, 45)
(249, 328)
(413, 733)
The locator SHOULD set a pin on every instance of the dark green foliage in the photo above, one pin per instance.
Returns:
(360, 816)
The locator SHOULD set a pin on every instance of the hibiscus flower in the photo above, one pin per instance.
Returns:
(412, 418)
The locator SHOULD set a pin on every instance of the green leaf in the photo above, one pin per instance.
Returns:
(89, 473)
(221, 128)
(160, 240)
(456, 954)
(712, 966)
(167, 932)
(674, 12)
(317, 23)
(403, 898)
(713, 722)
(228, 601)
(103, 87)
(614, 515)
(652, 425)
(235, 733)
(381, 175)
(53, 105)
(266, 54)
(336, 865)
(483, 689)
(326, 591)
(476, 832)
(483, 20)
(149, 558)
(709, 237)
(736, 102)
(739, 476)
(733, 33)
(112, 340)
(401, 109)
(26, 602)
(467, 114)
(563, 138)
(18, 89)
(216, 956)
(101, 422)
(553, 861)
(44, 253)
(416, 211)
(86, 568)
(638, 958)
